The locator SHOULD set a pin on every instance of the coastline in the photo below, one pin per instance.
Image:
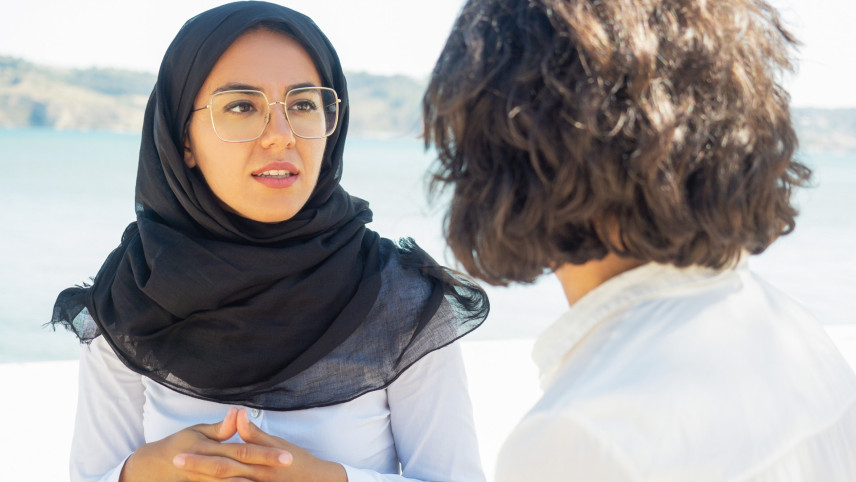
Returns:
(40, 411)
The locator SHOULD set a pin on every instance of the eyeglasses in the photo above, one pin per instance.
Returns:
(242, 115)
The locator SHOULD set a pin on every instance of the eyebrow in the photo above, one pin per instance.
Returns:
(239, 86)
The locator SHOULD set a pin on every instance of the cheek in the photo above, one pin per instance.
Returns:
(198, 142)
(220, 166)
(314, 157)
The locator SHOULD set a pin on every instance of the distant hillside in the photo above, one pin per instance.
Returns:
(381, 106)
(826, 129)
(384, 106)
(107, 99)
(32, 95)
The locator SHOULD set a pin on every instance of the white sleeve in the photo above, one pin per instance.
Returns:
(432, 423)
(109, 422)
(550, 447)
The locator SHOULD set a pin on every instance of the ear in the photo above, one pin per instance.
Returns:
(189, 159)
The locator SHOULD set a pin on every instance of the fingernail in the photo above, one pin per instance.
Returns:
(178, 461)
(285, 458)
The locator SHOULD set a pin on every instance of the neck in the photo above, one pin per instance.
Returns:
(578, 279)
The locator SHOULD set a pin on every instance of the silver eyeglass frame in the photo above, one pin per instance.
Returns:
(267, 116)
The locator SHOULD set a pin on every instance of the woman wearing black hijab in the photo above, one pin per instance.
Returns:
(249, 324)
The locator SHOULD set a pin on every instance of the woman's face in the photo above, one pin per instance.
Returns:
(271, 178)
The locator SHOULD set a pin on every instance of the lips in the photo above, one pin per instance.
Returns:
(276, 169)
(276, 175)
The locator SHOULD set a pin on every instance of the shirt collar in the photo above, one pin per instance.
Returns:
(617, 294)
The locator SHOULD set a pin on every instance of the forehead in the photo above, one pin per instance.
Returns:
(271, 61)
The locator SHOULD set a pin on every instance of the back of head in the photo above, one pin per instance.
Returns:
(654, 129)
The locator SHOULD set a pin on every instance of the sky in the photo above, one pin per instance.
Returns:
(376, 36)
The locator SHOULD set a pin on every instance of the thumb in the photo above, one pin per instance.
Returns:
(250, 432)
(221, 430)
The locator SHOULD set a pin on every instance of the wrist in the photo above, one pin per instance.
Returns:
(129, 471)
(335, 472)
(341, 473)
(325, 471)
(123, 475)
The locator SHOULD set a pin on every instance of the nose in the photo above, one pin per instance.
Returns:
(277, 131)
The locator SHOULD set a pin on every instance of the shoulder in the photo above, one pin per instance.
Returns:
(437, 367)
(400, 274)
(413, 292)
(702, 372)
(404, 292)
(553, 445)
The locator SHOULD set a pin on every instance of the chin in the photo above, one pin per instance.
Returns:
(271, 218)
(273, 212)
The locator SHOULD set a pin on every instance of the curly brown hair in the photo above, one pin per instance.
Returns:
(654, 129)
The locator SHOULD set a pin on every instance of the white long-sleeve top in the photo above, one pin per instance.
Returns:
(668, 374)
(418, 428)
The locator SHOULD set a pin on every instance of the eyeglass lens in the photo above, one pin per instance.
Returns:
(243, 115)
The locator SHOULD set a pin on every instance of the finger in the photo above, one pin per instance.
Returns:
(250, 433)
(228, 426)
(273, 455)
(253, 454)
(205, 467)
(221, 430)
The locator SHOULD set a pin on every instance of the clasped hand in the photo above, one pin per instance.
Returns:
(200, 453)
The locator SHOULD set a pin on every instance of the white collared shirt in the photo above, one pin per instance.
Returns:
(686, 374)
(421, 426)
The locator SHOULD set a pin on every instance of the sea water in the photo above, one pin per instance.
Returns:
(66, 197)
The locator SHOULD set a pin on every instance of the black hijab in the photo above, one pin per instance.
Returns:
(307, 312)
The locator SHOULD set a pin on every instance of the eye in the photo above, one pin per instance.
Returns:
(303, 106)
(240, 107)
